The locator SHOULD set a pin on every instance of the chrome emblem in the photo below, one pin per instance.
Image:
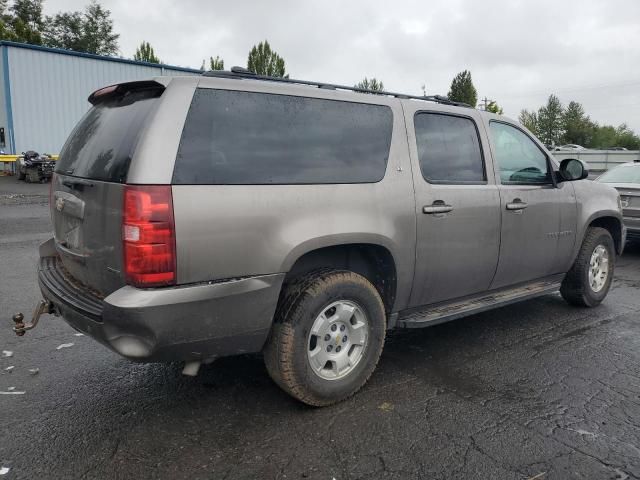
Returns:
(624, 201)
(59, 203)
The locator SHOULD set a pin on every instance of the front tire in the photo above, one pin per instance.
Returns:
(327, 337)
(590, 277)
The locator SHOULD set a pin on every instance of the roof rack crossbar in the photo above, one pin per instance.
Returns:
(242, 73)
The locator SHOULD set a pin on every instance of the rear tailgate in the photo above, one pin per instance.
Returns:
(88, 188)
(629, 197)
(87, 225)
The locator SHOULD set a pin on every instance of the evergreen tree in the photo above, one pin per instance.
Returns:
(462, 89)
(216, 63)
(264, 61)
(578, 128)
(145, 53)
(372, 84)
(550, 121)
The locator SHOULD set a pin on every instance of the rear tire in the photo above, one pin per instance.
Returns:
(327, 336)
(590, 277)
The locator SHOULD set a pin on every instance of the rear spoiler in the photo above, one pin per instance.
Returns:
(121, 89)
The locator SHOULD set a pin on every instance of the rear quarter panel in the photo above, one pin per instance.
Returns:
(225, 231)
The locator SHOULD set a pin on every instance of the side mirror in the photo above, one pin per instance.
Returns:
(573, 169)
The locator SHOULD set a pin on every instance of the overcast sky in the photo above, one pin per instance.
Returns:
(518, 51)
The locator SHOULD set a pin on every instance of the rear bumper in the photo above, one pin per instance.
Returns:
(195, 322)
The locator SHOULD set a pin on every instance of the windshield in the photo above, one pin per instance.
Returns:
(622, 174)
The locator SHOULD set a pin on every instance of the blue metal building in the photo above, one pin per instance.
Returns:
(43, 91)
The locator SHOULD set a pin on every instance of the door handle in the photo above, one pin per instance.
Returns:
(437, 207)
(517, 205)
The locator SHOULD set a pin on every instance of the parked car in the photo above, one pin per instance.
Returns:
(626, 179)
(198, 217)
(569, 146)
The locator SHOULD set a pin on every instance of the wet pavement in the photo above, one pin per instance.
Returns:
(534, 390)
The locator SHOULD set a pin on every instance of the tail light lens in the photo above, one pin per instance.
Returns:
(148, 233)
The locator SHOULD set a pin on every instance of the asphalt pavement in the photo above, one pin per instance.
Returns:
(537, 390)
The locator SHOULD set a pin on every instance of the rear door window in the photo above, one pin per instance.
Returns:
(449, 149)
(102, 144)
(235, 138)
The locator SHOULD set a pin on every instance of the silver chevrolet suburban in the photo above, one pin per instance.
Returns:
(198, 217)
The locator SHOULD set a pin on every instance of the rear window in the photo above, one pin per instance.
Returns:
(101, 145)
(235, 138)
(448, 149)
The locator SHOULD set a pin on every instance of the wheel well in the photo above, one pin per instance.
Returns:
(373, 262)
(614, 227)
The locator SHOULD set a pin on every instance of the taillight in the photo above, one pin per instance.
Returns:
(148, 234)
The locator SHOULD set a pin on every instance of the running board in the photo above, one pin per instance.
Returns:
(440, 313)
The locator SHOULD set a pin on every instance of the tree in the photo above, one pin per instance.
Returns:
(23, 23)
(550, 121)
(462, 89)
(145, 53)
(625, 137)
(604, 136)
(529, 120)
(5, 31)
(607, 136)
(264, 61)
(578, 127)
(372, 84)
(98, 28)
(216, 63)
(493, 107)
(552, 124)
(90, 31)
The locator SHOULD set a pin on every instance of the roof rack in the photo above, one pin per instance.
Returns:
(243, 73)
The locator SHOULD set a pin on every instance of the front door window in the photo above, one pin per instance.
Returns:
(520, 160)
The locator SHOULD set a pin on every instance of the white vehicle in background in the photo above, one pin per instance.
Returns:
(569, 146)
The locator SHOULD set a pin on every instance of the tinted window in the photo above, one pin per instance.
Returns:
(101, 145)
(254, 138)
(519, 158)
(448, 149)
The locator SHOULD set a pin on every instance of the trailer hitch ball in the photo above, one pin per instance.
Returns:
(20, 328)
(18, 319)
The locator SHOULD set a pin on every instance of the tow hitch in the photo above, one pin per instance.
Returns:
(21, 328)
